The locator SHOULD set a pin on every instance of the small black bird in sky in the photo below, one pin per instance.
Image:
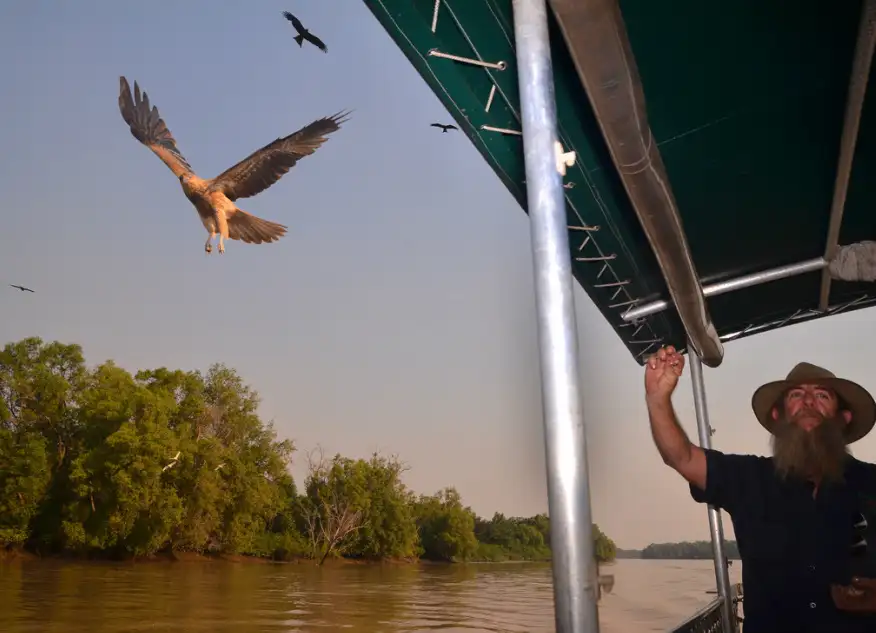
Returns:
(444, 128)
(304, 34)
(22, 288)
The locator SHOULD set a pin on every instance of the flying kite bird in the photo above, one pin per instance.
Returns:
(304, 34)
(22, 288)
(213, 198)
(444, 128)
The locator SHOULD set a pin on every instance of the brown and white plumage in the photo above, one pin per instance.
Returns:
(214, 198)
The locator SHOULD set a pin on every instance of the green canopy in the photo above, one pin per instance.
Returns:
(746, 102)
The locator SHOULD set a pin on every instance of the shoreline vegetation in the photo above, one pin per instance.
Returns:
(684, 550)
(97, 463)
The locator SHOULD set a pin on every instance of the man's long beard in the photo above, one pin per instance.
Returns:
(818, 454)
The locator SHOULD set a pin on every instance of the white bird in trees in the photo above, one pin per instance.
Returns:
(173, 461)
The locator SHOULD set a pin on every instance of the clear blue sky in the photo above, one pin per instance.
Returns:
(398, 312)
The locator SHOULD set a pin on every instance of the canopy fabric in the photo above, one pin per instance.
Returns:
(746, 104)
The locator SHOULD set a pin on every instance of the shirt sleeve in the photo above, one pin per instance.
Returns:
(727, 478)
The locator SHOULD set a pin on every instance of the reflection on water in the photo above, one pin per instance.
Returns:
(656, 595)
(52, 596)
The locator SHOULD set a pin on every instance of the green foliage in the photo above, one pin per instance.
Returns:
(697, 550)
(446, 527)
(24, 478)
(605, 548)
(513, 538)
(97, 461)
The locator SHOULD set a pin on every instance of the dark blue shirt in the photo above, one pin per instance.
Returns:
(794, 545)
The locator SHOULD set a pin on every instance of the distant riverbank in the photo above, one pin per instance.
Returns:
(197, 557)
(683, 550)
(12, 556)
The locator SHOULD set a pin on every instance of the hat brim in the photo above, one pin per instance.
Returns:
(856, 400)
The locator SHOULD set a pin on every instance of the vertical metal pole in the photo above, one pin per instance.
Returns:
(574, 563)
(716, 527)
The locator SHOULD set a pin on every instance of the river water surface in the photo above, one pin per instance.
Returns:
(214, 597)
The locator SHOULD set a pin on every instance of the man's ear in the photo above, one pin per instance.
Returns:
(847, 415)
(775, 414)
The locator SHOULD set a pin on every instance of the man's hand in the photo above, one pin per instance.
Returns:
(662, 372)
(859, 597)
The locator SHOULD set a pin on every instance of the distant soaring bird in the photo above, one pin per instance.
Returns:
(444, 128)
(304, 34)
(22, 288)
(214, 198)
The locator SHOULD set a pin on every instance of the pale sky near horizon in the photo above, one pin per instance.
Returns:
(398, 312)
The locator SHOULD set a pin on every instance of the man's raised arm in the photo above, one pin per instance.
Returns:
(662, 371)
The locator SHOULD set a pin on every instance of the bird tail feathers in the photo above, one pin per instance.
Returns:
(299, 39)
(252, 229)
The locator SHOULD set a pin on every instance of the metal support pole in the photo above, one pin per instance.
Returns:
(730, 285)
(574, 563)
(716, 527)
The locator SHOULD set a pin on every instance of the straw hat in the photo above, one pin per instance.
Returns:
(854, 397)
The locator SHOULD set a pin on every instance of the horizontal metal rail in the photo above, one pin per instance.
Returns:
(706, 620)
(729, 285)
(709, 619)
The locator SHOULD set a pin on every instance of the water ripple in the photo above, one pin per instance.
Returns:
(55, 597)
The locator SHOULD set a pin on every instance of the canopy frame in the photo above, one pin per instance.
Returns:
(465, 51)
(716, 526)
(864, 47)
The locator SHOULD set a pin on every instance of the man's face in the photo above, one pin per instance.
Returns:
(808, 405)
(809, 437)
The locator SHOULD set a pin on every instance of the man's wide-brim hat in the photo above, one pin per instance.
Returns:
(854, 398)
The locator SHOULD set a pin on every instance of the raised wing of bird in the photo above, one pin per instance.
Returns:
(265, 166)
(296, 23)
(148, 127)
(313, 39)
(304, 34)
(22, 288)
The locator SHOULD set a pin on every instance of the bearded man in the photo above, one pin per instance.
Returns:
(805, 518)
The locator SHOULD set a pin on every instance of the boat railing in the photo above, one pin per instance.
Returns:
(706, 620)
(709, 619)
